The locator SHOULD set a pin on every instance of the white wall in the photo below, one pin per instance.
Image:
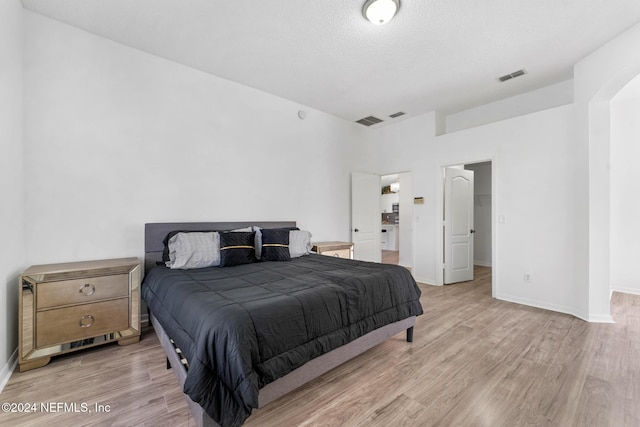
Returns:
(557, 225)
(408, 143)
(115, 137)
(625, 181)
(11, 188)
(482, 213)
(534, 190)
(550, 96)
(534, 187)
(597, 79)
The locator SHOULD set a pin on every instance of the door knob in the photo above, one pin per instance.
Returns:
(472, 231)
(355, 230)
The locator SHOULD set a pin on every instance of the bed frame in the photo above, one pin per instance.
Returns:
(154, 247)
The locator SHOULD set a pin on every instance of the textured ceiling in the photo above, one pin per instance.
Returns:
(434, 55)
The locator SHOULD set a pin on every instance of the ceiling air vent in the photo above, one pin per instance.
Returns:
(512, 75)
(368, 121)
(398, 114)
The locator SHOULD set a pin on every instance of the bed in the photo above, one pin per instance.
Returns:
(239, 337)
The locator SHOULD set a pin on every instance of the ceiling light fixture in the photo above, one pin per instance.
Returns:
(380, 11)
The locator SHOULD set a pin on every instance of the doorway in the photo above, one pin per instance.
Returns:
(470, 247)
(396, 209)
(602, 196)
(482, 213)
(390, 218)
(624, 176)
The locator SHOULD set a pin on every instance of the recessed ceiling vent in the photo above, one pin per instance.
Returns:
(398, 114)
(512, 75)
(368, 121)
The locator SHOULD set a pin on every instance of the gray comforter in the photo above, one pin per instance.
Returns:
(245, 326)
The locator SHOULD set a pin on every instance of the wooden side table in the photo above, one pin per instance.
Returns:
(70, 306)
(334, 248)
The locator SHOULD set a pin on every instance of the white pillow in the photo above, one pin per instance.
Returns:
(194, 250)
(299, 243)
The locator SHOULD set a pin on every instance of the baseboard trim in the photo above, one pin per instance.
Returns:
(425, 281)
(483, 263)
(557, 308)
(626, 290)
(8, 369)
(600, 318)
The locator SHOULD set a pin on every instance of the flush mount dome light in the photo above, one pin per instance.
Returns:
(380, 11)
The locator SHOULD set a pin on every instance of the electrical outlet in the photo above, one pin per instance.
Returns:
(527, 277)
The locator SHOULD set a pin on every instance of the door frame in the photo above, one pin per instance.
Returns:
(439, 202)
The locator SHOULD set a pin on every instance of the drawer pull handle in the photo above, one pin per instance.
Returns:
(87, 289)
(86, 321)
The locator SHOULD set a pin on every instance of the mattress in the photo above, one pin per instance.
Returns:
(245, 326)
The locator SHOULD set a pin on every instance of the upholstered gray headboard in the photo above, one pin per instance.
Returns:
(155, 232)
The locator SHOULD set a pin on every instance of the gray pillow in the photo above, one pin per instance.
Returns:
(194, 250)
(258, 241)
(299, 243)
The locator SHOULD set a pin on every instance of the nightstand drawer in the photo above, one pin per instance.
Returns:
(342, 253)
(83, 321)
(81, 291)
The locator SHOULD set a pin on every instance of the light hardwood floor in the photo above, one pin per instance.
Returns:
(475, 361)
(390, 257)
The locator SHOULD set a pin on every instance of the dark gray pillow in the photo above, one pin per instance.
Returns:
(237, 248)
(275, 244)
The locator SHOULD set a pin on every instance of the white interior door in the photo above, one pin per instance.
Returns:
(458, 225)
(366, 219)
